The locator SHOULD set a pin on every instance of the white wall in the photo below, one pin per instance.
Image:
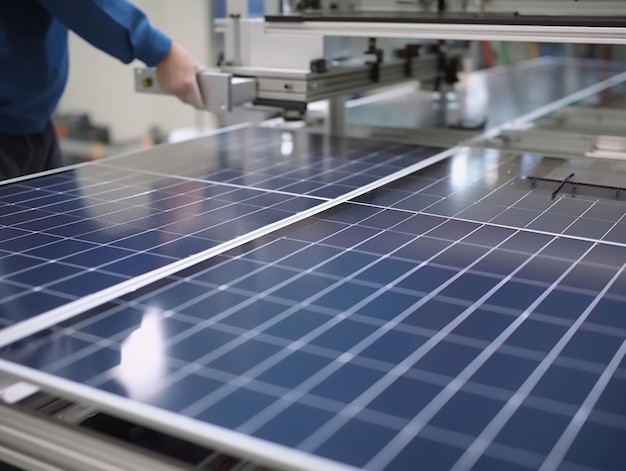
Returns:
(103, 86)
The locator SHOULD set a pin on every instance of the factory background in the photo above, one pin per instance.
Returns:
(102, 87)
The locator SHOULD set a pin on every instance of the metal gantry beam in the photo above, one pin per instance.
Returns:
(451, 31)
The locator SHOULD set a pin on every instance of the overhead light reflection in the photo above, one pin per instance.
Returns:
(286, 146)
(491, 161)
(142, 368)
(459, 169)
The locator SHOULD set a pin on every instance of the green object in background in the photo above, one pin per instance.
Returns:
(505, 54)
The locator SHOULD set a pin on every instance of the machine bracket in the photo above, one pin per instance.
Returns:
(221, 91)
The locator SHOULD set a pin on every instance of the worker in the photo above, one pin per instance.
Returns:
(34, 59)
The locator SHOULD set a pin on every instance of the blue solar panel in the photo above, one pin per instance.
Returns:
(301, 163)
(108, 222)
(470, 189)
(75, 233)
(456, 317)
(436, 344)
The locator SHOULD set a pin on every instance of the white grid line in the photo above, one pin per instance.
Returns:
(539, 403)
(502, 226)
(374, 391)
(556, 456)
(614, 226)
(102, 267)
(199, 326)
(259, 171)
(491, 431)
(269, 412)
(414, 427)
(26, 327)
(516, 351)
(503, 161)
(296, 345)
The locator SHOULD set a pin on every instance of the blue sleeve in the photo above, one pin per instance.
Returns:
(116, 27)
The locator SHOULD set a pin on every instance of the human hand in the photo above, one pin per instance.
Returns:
(176, 75)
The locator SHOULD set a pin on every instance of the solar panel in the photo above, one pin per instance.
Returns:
(77, 232)
(457, 318)
(499, 195)
(302, 163)
(377, 336)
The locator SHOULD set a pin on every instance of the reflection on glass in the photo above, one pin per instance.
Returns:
(286, 146)
(528, 161)
(490, 159)
(458, 174)
(142, 367)
(476, 101)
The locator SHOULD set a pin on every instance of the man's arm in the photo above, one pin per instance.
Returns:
(120, 29)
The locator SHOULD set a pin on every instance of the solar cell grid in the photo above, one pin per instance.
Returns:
(494, 192)
(102, 228)
(294, 337)
(302, 163)
(106, 223)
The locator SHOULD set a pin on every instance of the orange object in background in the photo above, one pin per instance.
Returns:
(62, 130)
(490, 57)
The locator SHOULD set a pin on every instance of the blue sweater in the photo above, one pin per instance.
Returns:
(34, 51)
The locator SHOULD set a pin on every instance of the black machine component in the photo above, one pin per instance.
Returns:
(374, 57)
(304, 5)
(563, 183)
(448, 65)
(410, 52)
(453, 67)
(448, 17)
(295, 106)
(574, 184)
(319, 66)
(130, 435)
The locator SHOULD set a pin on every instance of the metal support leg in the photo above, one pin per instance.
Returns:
(474, 57)
(211, 36)
(237, 10)
(336, 119)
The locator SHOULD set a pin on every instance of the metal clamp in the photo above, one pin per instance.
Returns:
(221, 91)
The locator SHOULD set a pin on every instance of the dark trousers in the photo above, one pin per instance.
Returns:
(30, 153)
